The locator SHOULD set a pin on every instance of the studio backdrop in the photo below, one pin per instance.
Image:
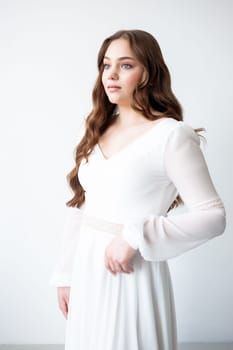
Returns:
(48, 52)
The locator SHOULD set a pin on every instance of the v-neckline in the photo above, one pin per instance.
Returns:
(130, 144)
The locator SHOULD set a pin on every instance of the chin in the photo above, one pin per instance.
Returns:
(113, 100)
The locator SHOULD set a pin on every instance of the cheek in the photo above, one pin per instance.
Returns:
(103, 79)
(133, 79)
(103, 86)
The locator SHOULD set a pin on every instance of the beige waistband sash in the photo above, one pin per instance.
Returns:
(102, 225)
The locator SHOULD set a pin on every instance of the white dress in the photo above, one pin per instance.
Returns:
(135, 187)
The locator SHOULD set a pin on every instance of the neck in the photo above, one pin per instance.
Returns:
(128, 116)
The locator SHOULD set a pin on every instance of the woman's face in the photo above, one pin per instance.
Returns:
(122, 72)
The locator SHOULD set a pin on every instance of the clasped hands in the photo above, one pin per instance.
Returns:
(119, 255)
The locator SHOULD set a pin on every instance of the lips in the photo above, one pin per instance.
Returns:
(113, 87)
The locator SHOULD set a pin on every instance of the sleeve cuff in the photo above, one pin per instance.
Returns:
(132, 233)
(61, 280)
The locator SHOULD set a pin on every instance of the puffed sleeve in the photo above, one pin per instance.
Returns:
(160, 237)
(62, 272)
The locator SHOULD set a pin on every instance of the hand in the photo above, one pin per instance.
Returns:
(63, 294)
(119, 255)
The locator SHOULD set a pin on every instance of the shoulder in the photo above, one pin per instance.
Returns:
(177, 132)
(183, 133)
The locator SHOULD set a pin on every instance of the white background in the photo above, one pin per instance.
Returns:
(48, 55)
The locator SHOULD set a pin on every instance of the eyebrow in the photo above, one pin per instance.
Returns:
(121, 58)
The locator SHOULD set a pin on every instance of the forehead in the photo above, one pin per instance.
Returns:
(119, 48)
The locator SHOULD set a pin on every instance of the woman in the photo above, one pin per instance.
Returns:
(136, 160)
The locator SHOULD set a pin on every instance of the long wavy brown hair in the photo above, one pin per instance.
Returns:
(153, 98)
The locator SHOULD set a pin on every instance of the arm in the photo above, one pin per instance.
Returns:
(62, 273)
(61, 276)
(163, 237)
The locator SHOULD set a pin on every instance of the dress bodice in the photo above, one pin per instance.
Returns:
(133, 182)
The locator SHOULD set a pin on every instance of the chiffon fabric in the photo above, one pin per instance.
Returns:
(129, 194)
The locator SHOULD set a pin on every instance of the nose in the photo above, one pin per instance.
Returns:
(113, 73)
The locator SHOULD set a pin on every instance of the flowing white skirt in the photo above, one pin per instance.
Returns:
(132, 311)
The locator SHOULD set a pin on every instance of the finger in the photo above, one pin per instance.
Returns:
(67, 298)
(109, 265)
(64, 308)
(112, 267)
(64, 312)
(127, 268)
(117, 267)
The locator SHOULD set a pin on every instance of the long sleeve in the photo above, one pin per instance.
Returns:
(159, 237)
(63, 269)
(73, 217)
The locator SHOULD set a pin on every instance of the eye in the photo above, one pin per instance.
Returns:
(106, 65)
(126, 66)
